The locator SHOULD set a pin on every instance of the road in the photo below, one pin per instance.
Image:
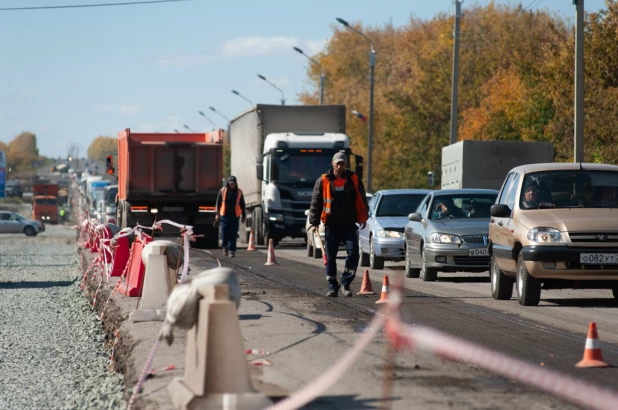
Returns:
(551, 335)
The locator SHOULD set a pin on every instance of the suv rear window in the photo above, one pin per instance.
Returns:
(569, 189)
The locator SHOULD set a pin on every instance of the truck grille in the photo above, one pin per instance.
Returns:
(294, 211)
(475, 239)
(594, 237)
(472, 260)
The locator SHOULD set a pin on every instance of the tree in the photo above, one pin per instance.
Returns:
(101, 147)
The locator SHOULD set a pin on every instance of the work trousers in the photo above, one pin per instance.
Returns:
(229, 232)
(334, 234)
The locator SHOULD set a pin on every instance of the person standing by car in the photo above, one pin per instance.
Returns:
(340, 202)
(230, 207)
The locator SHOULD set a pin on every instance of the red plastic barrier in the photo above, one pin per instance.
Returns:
(121, 256)
(135, 276)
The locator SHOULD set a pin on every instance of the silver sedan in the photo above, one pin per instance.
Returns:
(10, 222)
(449, 233)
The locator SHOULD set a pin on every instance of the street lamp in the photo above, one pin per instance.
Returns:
(242, 96)
(226, 119)
(175, 130)
(280, 90)
(321, 73)
(187, 127)
(372, 63)
(208, 119)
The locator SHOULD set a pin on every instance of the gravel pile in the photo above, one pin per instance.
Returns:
(52, 351)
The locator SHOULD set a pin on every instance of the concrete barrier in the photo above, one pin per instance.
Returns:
(216, 370)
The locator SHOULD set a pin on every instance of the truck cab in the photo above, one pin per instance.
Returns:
(45, 203)
(289, 167)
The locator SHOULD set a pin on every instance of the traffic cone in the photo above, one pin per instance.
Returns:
(271, 254)
(592, 352)
(384, 295)
(366, 288)
(251, 246)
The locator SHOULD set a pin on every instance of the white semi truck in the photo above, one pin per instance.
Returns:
(277, 154)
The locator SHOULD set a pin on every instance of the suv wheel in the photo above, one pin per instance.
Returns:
(528, 287)
(428, 274)
(410, 271)
(375, 262)
(364, 257)
(501, 285)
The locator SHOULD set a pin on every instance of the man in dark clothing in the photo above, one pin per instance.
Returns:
(230, 206)
(340, 202)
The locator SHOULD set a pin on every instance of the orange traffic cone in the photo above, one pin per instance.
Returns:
(271, 254)
(251, 246)
(366, 288)
(384, 295)
(592, 352)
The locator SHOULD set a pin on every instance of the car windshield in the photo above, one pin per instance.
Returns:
(46, 201)
(110, 195)
(300, 165)
(569, 189)
(462, 206)
(399, 205)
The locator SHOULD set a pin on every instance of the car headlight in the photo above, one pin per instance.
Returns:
(276, 217)
(388, 234)
(545, 235)
(444, 238)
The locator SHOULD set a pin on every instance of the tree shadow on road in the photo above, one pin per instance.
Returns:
(36, 284)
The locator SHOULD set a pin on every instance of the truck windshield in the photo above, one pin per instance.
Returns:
(46, 201)
(569, 189)
(301, 165)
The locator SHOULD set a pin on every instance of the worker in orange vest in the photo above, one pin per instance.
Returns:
(230, 207)
(339, 201)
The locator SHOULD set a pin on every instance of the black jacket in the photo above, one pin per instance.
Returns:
(230, 203)
(341, 213)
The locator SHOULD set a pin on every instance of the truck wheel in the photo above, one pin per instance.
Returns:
(375, 262)
(501, 285)
(29, 231)
(258, 229)
(528, 287)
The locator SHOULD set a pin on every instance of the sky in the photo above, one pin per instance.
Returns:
(70, 75)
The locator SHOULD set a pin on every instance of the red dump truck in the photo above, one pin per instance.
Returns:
(170, 176)
(45, 203)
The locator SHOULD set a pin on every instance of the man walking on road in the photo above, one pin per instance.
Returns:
(340, 202)
(230, 206)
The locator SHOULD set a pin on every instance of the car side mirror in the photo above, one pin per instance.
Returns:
(259, 171)
(307, 212)
(415, 217)
(500, 211)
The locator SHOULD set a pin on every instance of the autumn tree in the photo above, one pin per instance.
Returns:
(22, 152)
(101, 147)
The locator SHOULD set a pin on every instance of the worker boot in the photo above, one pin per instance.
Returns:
(225, 251)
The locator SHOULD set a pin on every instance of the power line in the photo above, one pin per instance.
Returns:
(74, 6)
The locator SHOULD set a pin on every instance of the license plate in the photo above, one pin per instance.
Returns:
(478, 252)
(598, 258)
(173, 209)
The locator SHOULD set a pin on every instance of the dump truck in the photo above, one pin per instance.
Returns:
(45, 203)
(277, 154)
(174, 176)
(485, 164)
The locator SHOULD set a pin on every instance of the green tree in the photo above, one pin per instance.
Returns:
(101, 147)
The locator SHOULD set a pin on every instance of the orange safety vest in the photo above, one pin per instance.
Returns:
(328, 193)
(237, 207)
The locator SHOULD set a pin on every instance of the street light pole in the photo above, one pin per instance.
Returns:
(280, 90)
(455, 85)
(579, 82)
(242, 96)
(372, 63)
(208, 119)
(298, 50)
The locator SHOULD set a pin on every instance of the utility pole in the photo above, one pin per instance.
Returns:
(455, 84)
(372, 61)
(579, 82)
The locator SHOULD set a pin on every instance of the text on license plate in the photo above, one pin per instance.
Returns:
(173, 209)
(599, 258)
(478, 252)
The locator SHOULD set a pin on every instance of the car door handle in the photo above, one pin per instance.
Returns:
(499, 223)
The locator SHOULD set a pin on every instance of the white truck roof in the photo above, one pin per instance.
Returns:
(322, 140)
